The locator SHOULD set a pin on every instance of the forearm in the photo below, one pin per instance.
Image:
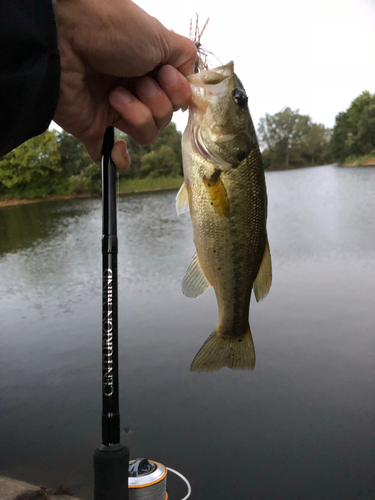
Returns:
(29, 70)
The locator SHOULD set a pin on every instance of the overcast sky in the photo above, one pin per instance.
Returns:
(315, 55)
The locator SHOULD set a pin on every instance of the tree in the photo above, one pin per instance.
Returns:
(171, 165)
(291, 140)
(365, 137)
(160, 162)
(353, 133)
(74, 157)
(33, 169)
(136, 152)
(317, 143)
(57, 163)
(339, 146)
(171, 137)
(84, 176)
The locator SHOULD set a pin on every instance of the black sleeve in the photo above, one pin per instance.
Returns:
(29, 70)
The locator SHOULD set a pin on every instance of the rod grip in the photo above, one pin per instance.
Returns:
(111, 470)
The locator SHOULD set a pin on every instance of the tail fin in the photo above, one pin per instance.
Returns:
(217, 352)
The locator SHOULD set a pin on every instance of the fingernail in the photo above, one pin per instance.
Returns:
(121, 97)
(148, 87)
(168, 76)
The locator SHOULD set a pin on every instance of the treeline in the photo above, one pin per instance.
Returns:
(290, 140)
(55, 163)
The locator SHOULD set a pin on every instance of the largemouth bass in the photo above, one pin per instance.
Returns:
(224, 189)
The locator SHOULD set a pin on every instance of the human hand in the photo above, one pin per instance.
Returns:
(120, 67)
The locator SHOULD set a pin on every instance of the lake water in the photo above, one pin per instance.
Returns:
(300, 426)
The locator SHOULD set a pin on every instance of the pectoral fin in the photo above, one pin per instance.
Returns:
(182, 200)
(218, 194)
(262, 283)
(194, 283)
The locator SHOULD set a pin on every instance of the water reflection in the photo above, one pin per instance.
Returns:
(23, 226)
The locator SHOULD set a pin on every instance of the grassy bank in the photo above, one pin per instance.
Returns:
(125, 186)
(360, 161)
(149, 184)
(8, 202)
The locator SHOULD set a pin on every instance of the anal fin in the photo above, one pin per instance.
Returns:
(194, 283)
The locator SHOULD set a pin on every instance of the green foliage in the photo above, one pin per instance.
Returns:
(150, 160)
(171, 137)
(160, 162)
(365, 136)
(33, 169)
(74, 157)
(357, 106)
(127, 185)
(354, 130)
(87, 181)
(317, 142)
(84, 176)
(339, 145)
(292, 140)
(57, 164)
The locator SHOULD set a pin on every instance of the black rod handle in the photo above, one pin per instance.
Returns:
(111, 474)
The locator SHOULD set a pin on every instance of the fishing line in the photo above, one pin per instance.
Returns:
(184, 479)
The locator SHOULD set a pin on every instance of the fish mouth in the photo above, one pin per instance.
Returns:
(212, 76)
(209, 83)
(206, 86)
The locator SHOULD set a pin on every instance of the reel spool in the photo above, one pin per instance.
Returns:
(147, 480)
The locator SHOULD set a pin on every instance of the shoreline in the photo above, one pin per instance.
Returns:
(13, 489)
(361, 161)
(24, 201)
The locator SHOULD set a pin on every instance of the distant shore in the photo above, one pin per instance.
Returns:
(23, 201)
(149, 185)
(126, 186)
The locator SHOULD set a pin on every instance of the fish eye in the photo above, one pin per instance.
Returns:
(240, 97)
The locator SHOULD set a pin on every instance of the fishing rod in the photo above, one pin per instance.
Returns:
(111, 459)
(115, 477)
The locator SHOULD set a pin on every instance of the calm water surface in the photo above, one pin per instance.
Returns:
(300, 426)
